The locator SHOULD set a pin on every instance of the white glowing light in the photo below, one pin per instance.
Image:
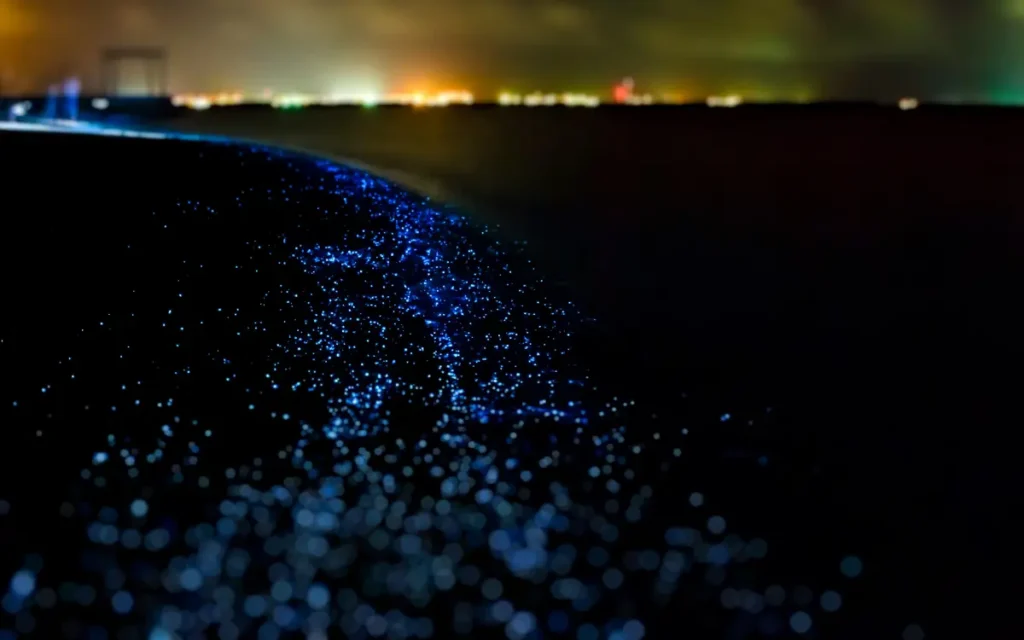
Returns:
(228, 99)
(534, 100)
(506, 99)
(538, 99)
(20, 109)
(725, 101)
(908, 104)
(364, 98)
(440, 99)
(580, 100)
(201, 102)
(100, 104)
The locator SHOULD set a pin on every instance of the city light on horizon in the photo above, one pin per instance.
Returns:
(420, 99)
(462, 97)
(620, 94)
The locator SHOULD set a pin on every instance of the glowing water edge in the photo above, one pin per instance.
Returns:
(421, 453)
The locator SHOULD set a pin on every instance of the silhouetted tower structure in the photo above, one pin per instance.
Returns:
(152, 59)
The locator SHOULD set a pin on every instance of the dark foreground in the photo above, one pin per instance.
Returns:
(855, 268)
(187, 278)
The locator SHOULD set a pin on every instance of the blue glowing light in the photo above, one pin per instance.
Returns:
(438, 443)
(851, 566)
(23, 584)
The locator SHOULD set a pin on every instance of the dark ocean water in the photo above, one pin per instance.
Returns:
(847, 299)
(854, 267)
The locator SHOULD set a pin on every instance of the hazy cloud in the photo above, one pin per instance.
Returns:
(308, 42)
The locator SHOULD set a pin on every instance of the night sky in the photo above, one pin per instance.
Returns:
(775, 48)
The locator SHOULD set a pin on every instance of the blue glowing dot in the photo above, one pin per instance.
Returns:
(282, 591)
(613, 578)
(521, 624)
(99, 457)
(139, 508)
(851, 566)
(122, 602)
(718, 554)
(23, 584)
(831, 601)
(800, 622)
(284, 616)
(191, 579)
(634, 630)
(254, 606)
(491, 588)
(502, 610)
(679, 537)
(318, 597)
(376, 625)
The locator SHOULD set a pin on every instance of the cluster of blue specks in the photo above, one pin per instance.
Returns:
(431, 295)
(406, 446)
